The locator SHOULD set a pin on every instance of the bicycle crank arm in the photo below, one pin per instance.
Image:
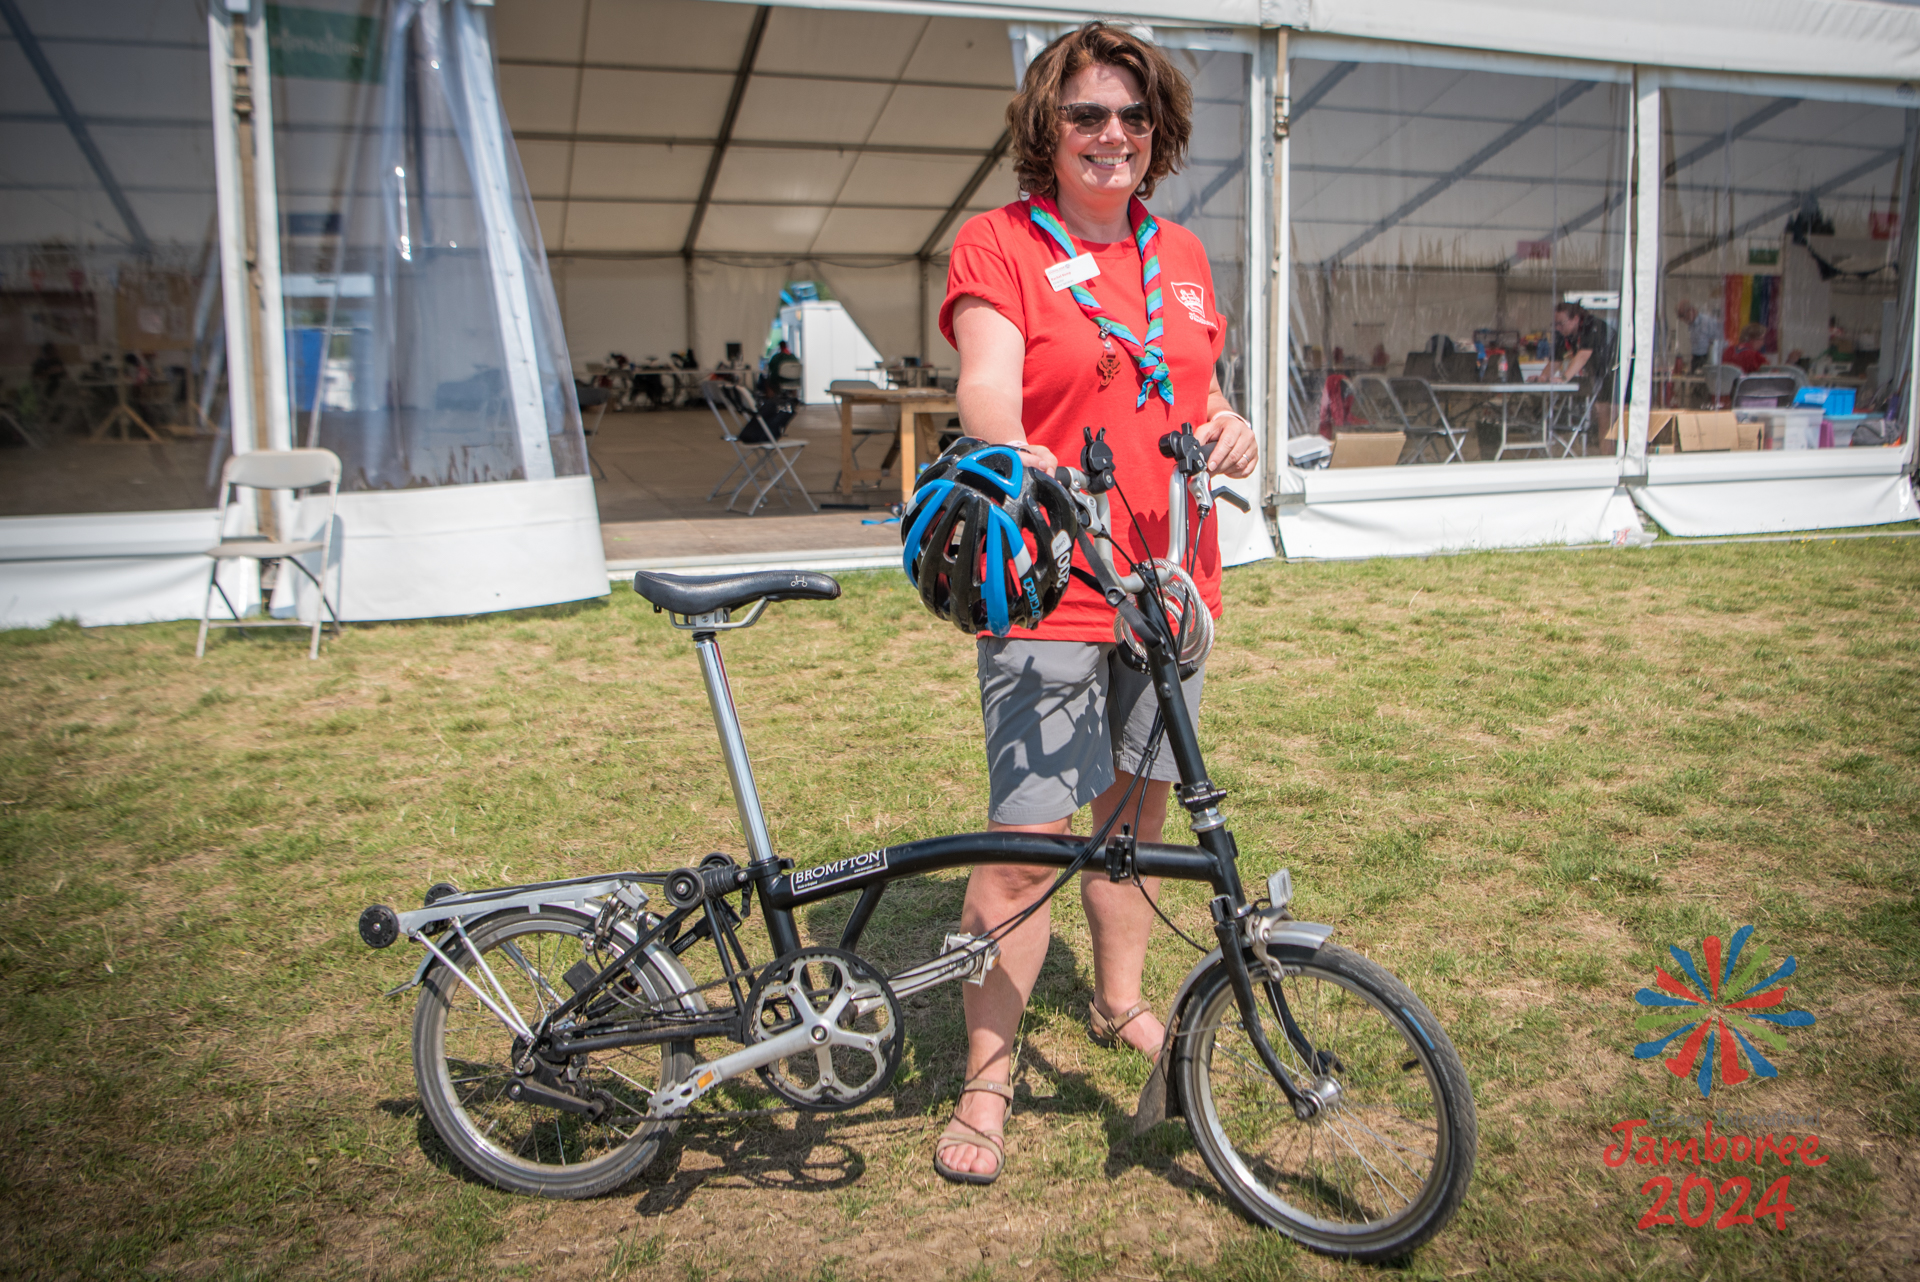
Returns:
(530, 1092)
(704, 1077)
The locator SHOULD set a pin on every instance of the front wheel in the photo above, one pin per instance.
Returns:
(1384, 1165)
(464, 1060)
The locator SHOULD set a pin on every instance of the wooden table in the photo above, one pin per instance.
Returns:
(917, 407)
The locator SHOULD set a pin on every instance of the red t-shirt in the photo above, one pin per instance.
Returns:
(1001, 258)
(1747, 357)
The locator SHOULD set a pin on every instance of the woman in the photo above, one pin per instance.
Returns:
(1102, 117)
(1746, 353)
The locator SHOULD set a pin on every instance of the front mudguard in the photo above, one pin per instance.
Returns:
(1160, 1098)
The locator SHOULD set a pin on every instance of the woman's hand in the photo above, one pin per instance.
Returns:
(1038, 456)
(1234, 453)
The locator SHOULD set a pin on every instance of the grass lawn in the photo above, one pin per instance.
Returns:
(1516, 780)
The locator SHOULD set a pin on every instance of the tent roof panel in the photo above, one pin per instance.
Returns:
(542, 29)
(630, 170)
(126, 80)
(943, 117)
(43, 154)
(880, 178)
(799, 177)
(20, 88)
(549, 213)
(657, 103)
(180, 157)
(968, 50)
(860, 44)
(539, 98)
(873, 231)
(762, 229)
(812, 111)
(998, 189)
(683, 33)
(593, 226)
(545, 165)
(139, 20)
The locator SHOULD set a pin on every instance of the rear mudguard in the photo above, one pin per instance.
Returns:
(659, 954)
(1160, 1099)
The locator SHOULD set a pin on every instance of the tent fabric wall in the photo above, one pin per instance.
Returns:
(1776, 491)
(1409, 511)
(1849, 38)
(636, 307)
(108, 568)
(469, 549)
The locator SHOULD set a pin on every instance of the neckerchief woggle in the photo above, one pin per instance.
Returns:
(1146, 353)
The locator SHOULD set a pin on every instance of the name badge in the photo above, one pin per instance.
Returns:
(1076, 269)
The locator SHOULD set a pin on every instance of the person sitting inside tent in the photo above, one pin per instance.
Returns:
(1582, 345)
(1583, 348)
(783, 374)
(1746, 353)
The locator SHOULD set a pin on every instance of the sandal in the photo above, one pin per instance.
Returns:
(1106, 1032)
(959, 1133)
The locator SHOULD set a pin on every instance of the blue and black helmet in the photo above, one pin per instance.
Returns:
(988, 540)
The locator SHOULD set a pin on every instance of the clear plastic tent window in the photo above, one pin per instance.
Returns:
(425, 347)
(1438, 217)
(1782, 239)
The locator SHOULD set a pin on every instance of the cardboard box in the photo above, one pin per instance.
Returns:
(1367, 449)
(1691, 432)
(1749, 436)
(1659, 432)
(1701, 431)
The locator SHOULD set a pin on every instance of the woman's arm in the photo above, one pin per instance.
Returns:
(993, 358)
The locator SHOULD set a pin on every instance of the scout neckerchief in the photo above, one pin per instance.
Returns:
(1154, 373)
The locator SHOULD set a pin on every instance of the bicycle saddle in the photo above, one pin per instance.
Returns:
(706, 593)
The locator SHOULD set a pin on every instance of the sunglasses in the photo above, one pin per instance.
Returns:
(1091, 118)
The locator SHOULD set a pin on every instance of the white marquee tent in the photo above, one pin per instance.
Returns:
(1365, 175)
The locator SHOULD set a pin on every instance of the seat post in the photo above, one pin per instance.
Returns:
(733, 747)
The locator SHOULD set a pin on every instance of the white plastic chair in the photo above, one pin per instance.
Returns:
(271, 470)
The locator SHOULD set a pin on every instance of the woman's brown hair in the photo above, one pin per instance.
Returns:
(1033, 117)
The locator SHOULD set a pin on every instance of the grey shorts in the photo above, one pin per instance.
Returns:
(1059, 716)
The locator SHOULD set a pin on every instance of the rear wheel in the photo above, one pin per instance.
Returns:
(463, 1061)
(1384, 1165)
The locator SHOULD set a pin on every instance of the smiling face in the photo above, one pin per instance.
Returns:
(1109, 165)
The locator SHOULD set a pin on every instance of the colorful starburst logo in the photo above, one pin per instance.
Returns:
(1716, 1031)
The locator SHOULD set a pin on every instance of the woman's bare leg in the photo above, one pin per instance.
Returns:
(996, 892)
(1119, 918)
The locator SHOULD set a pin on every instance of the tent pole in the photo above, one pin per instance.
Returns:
(687, 259)
(1273, 256)
(923, 310)
(1644, 266)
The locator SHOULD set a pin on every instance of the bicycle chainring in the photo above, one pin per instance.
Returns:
(856, 1017)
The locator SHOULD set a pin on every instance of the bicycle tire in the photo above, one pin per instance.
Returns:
(463, 1055)
(1380, 1170)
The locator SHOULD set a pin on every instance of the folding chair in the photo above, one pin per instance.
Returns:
(1422, 419)
(1408, 406)
(293, 471)
(1720, 381)
(1764, 391)
(766, 463)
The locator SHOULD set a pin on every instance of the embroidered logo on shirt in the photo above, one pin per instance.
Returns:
(1194, 299)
